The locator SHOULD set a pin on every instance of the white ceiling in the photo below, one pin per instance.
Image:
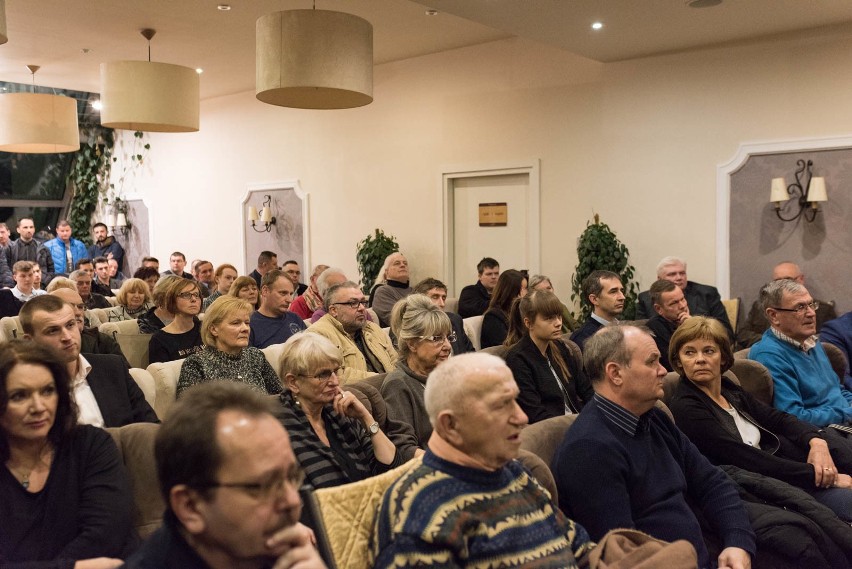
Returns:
(54, 33)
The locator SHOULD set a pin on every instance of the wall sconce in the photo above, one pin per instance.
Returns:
(265, 216)
(118, 223)
(807, 197)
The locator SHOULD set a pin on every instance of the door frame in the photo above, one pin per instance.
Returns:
(532, 168)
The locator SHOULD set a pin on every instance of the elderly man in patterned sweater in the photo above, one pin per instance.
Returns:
(470, 501)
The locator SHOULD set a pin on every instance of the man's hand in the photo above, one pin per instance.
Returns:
(825, 473)
(98, 563)
(843, 481)
(734, 558)
(294, 548)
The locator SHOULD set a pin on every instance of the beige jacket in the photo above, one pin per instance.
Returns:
(354, 364)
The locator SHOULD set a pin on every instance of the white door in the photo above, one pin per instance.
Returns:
(471, 242)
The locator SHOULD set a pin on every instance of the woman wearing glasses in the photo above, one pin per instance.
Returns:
(551, 382)
(335, 438)
(423, 335)
(182, 337)
(226, 354)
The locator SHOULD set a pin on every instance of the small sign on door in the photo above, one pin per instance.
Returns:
(493, 214)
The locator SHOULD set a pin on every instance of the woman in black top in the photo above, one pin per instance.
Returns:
(550, 381)
(512, 284)
(181, 337)
(65, 500)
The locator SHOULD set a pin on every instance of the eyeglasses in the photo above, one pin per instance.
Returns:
(353, 303)
(273, 487)
(325, 375)
(800, 309)
(189, 295)
(439, 339)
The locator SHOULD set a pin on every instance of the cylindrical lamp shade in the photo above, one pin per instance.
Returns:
(147, 96)
(816, 191)
(314, 59)
(36, 123)
(778, 191)
(4, 36)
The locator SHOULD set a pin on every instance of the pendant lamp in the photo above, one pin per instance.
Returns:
(4, 36)
(38, 123)
(314, 59)
(148, 96)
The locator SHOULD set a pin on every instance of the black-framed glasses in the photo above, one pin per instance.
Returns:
(189, 295)
(353, 303)
(439, 339)
(325, 375)
(273, 487)
(799, 309)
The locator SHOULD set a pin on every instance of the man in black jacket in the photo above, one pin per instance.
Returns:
(437, 293)
(671, 311)
(474, 299)
(101, 385)
(703, 300)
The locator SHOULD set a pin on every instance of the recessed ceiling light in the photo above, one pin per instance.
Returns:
(97, 105)
(597, 25)
(199, 70)
(431, 12)
(223, 7)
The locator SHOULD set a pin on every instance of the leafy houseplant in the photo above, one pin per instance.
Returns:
(599, 249)
(371, 253)
(89, 175)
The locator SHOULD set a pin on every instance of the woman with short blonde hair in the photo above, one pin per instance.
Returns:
(133, 300)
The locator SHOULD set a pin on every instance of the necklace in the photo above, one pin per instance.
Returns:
(25, 476)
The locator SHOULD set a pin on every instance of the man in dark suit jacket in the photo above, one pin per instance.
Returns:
(671, 311)
(437, 293)
(101, 385)
(703, 300)
(474, 299)
(9, 305)
(604, 291)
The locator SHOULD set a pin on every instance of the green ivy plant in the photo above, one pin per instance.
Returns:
(599, 249)
(371, 253)
(89, 176)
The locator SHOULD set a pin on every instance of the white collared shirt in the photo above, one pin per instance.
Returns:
(88, 411)
(25, 297)
(599, 319)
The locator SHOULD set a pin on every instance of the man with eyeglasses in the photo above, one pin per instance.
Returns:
(83, 280)
(805, 383)
(365, 348)
(230, 482)
(756, 322)
(291, 269)
(273, 323)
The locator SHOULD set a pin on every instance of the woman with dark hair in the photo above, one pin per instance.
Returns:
(158, 316)
(148, 274)
(729, 426)
(182, 336)
(551, 383)
(335, 438)
(246, 288)
(65, 500)
(512, 284)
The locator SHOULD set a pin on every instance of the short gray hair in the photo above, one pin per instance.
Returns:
(323, 277)
(76, 274)
(328, 297)
(305, 351)
(536, 280)
(772, 292)
(608, 344)
(416, 316)
(668, 262)
(447, 387)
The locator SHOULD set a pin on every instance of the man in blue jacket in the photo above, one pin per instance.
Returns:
(64, 249)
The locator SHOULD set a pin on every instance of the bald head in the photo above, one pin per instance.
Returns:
(461, 379)
(788, 270)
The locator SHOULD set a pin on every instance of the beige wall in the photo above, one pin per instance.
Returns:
(637, 142)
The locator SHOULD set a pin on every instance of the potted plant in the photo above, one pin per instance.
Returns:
(599, 249)
(371, 253)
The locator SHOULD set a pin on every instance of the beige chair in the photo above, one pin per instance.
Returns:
(273, 356)
(499, 351)
(451, 305)
(348, 512)
(135, 442)
(145, 381)
(133, 344)
(544, 437)
(473, 329)
(100, 313)
(11, 326)
(374, 316)
(732, 307)
(112, 300)
(122, 327)
(165, 376)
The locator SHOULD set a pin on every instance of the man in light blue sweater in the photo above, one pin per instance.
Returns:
(805, 383)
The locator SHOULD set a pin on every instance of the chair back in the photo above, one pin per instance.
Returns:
(544, 437)
(374, 316)
(135, 442)
(473, 329)
(112, 300)
(165, 376)
(500, 351)
(346, 514)
(122, 327)
(451, 305)
(837, 359)
(732, 307)
(273, 356)
(754, 378)
(145, 381)
(11, 326)
(99, 313)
